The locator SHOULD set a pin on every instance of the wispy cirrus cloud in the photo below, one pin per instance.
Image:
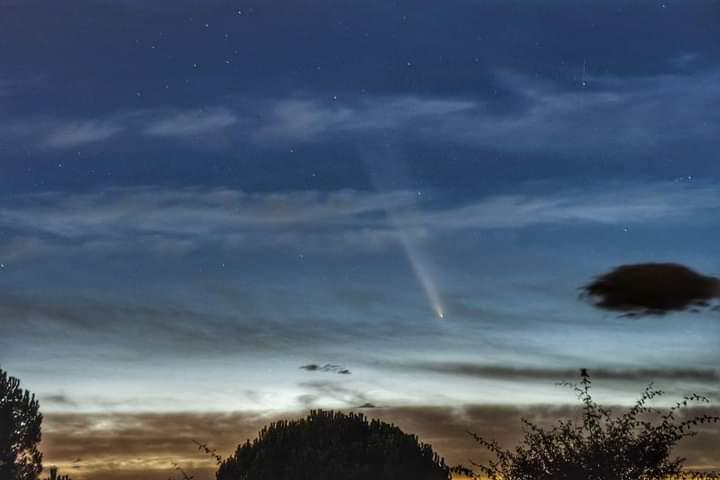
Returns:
(162, 220)
(190, 123)
(191, 210)
(540, 116)
(59, 133)
(80, 133)
(310, 119)
(546, 117)
(203, 329)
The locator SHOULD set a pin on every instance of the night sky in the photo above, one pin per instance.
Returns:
(199, 198)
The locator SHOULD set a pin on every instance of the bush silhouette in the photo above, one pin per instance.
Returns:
(54, 475)
(20, 421)
(636, 445)
(330, 445)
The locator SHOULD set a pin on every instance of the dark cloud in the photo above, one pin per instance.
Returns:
(652, 288)
(124, 446)
(328, 367)
(508, 373)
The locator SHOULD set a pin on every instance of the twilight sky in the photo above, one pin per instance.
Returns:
(199, 198)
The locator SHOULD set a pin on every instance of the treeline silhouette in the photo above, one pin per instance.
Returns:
(329, 445)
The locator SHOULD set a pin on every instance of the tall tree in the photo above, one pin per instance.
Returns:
(330, 445)
(20, 421)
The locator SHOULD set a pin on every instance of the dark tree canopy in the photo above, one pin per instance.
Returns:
(20, 421)
(652, 288)
(330, 445)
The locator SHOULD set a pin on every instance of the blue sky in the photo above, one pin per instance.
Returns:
(197, 199)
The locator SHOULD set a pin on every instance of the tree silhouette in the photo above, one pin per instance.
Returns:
(20, 421)
(636, 445)
(54, 475)
(330, 445)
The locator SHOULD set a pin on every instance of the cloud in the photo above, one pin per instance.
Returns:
(634, 113)
(123, 446)
(156, 220)
(58, 133)
(190, 210)
(611, 113)
(534, 115)
(652, 288)
(58, 399)
(142, 445)
(190, 123)
(165, 221)
(319, 393)
(155, 328)
(80, 133)
(328, 367)
(310, 119)
(513, 374)
(610, 204)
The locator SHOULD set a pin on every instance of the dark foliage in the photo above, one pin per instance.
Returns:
(20, 421)
(636, 445)
(652, 288)
(330, 445)
(54, 475)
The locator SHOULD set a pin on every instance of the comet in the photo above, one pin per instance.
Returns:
(420, 268)
(381, 173)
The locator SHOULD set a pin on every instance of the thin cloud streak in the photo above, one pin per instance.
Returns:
(507, 373)
(639, 113)
(635, 113)
(192, 123)
(155, 219)
(82, 133)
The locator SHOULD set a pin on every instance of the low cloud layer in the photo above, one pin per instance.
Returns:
(123, 446)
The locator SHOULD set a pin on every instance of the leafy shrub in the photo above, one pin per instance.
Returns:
(636, 445)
